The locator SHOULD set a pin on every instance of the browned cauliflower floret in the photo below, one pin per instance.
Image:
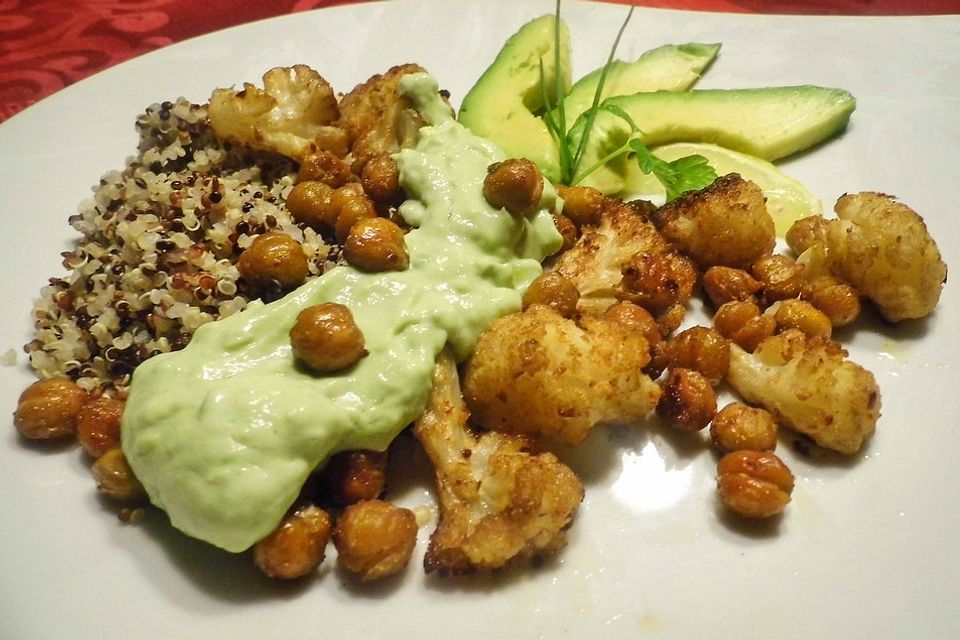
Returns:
(378, 119)
(808, 384)
(625, 258)
(292, 114)
(724, 224)
(538, 373)
(881, 247)
(500, 500)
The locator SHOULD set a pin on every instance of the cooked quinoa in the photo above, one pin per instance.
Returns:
(158, 252)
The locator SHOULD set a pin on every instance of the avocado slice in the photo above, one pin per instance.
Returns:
(503, 104)
(769, 123)
(672, 67)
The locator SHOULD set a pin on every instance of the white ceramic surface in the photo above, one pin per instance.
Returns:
(866, 549)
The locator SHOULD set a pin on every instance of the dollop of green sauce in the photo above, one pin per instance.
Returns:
(224, 433)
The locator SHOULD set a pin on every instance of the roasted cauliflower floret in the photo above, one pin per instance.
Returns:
(881, 247)
(537, 373)
(810, 386)
(625, 258)
(292, 115)
(378, 118)
(500, 500)
(724, 224)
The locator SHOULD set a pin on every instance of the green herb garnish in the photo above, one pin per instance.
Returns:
(684, 174)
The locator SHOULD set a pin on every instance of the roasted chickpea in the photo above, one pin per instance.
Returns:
(381, 180)
(375, 539)
(515, 185)
(115, 478)
(701, 349)
(799, 314)
(743, 323)
(555, 291)
(376, 244)
(805, 233)
(738, 426)
(310, 203)
(98, 425)
(723, 284)
(567, 230)
(325, 167)
(780, 277)
(688, 402)
(583, 205)
(274, 256)
(297, 546)
(352, 205)
(48, 409)
(755, 484)
(635, 317)
(671, 319)
(326, 338)
(352, 476)
(838, 300)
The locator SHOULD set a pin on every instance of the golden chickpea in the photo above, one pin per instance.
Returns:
(755, 484)
(376, 244)
(297, 546)
(310, 203)
(515, 185)
(381, 180)
(98, 425)
(325, 167)
(838, 300)
(799, 314)
(555, 291)
(583, 205)
(738, 426)
(274, 256)
(351, 205)
(375, 539)
(352, 476)
(780, 277)
(688, 402)
(326, 338)
(804, 233)
(700, 349)
(567, 229)
(723, 284)
(635, 317)
(671, 319)
(115, 478)
(48, 409)
(743, 323)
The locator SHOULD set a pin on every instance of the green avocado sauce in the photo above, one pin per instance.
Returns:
(224, 433)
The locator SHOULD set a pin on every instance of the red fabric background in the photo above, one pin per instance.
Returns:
(46, 45)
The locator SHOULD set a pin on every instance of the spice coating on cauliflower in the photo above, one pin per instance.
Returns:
(625, 258)
(724, 224)
(883, 248)
(292, 115)
(810, 386)
(536, 372)
(378, 119)
(501, 501)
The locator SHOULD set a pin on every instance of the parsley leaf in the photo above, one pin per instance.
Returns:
(688, 173)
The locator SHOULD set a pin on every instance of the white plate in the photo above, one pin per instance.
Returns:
(867, 548)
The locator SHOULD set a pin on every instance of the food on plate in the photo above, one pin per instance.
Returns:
(755, 484)
(810, 386)
(538, 373)
(374, 539)
(882, 248)
(501, 499)
(226, 456)
(726, 224)
(284, 281)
